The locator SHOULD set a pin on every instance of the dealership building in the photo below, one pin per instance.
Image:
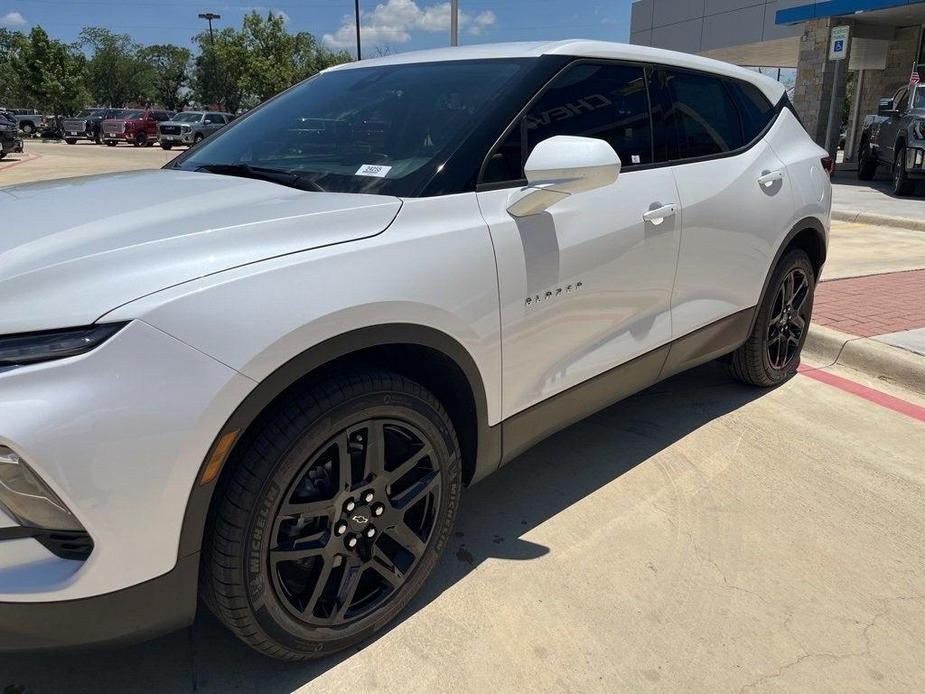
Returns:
(885, 45)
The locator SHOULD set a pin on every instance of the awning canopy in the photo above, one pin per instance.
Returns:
(839, 8)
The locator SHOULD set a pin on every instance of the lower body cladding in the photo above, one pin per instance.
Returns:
(118, 436)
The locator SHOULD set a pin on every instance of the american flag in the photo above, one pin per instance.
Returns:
(914, 79)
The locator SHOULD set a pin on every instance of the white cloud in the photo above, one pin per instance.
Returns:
(12, 19)
(394, 21)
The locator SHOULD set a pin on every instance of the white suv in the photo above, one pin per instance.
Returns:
(271, 376)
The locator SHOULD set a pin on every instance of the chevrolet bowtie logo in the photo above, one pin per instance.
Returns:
(362, 520)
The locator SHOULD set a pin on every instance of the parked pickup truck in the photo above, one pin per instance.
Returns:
(86, 124)
(138, 128)
(30, 121)
(191, 127)
(895, 137)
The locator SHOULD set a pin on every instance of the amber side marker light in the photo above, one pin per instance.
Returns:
(219, 454)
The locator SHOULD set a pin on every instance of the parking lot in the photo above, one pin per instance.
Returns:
(701, 536)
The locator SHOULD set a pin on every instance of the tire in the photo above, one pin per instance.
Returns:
(97, 138)
(167, 146)
(761, 361)
(2, 155)
(140, 140)
(867, 163)
(28, 128)
(290, 459)
(902, 184)
(71, 140)
(110, 143)
(199, 138)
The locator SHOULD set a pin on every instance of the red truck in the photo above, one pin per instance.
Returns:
(138, 128)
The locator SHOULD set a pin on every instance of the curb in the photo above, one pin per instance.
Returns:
(879, 219)
(876, 359)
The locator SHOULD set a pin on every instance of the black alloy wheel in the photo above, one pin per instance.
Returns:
(867, 163)
(771, 353)
(332, 515)
(902, 184)
(787, 327)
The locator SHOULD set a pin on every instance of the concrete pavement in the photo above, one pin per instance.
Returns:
(873, 202)
(700, 537)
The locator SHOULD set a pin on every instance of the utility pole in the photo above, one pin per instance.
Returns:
(356, 9)
(454, 22)
(209, 16)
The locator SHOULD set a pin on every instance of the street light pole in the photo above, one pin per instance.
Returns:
(454, 22)
(209, 16)
(356, 9)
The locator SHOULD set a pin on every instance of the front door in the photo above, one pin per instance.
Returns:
(585, 286)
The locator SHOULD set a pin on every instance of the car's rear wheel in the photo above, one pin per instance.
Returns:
(902, 184)
(166, 145)
(28, 128)
(110, 143)
(140, 139)
(71, 140)
(771, 353)
(332, 515)
(867, 163)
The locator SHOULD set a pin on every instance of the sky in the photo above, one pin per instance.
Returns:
(393, 25)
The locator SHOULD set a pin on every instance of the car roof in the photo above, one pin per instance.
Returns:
(579, 48)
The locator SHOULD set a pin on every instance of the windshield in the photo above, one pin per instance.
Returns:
(383, 129)
(86, 113)
(918, 101)
(130, 115)
(188, 117)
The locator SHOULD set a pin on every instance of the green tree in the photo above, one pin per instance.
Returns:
(169, 72)
(11, 43)
(51, 74)
(218, 69)
(116, 75)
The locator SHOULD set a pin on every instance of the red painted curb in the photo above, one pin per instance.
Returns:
(870, 394)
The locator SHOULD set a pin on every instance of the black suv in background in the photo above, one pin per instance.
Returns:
(86, 124)
(10, 139)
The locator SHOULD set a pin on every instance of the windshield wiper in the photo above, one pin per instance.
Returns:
(263, 173)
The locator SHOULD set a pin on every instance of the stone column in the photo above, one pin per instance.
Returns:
(815, 80)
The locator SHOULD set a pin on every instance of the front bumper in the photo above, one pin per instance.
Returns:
(181, 139)
(138, 613)
(915, 159)
(119, 435)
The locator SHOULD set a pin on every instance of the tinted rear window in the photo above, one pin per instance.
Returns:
(754, 108)
(702, 114)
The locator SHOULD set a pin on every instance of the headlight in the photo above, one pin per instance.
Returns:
(31, 348)
(28, 499)
(918, 127)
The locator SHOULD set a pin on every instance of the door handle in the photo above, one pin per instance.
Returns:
(659, 214)
(768, 178)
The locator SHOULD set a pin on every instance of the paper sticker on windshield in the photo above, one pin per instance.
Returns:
(373, 170)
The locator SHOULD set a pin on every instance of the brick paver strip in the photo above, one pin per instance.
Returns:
(872, 305)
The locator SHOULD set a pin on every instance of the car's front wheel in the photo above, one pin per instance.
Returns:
(902, 184)
(771, 353)
(867, 163)
(332, 514)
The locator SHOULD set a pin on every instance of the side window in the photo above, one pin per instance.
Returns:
(160, 116)
(702, 115)
(608, 102)
(214, 118)
(754, 108)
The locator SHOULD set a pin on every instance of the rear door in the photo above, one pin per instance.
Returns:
(585, 286)
(736, 197)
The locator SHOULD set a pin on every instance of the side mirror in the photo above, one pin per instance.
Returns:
(561, 166)
(887, 107)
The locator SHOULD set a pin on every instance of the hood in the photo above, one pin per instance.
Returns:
(74, 249)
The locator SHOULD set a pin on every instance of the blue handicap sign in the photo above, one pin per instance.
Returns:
(839, 46)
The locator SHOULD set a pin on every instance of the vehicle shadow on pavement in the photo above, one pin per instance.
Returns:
(882, 183)
(494, 516)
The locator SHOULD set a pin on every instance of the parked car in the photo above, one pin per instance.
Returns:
(895, 137)
(191, 127)
(270, 368)
(138, 128)
(30, 120)
(87, 124)
(10, 139)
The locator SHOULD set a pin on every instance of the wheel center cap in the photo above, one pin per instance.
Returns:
(359, 518)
